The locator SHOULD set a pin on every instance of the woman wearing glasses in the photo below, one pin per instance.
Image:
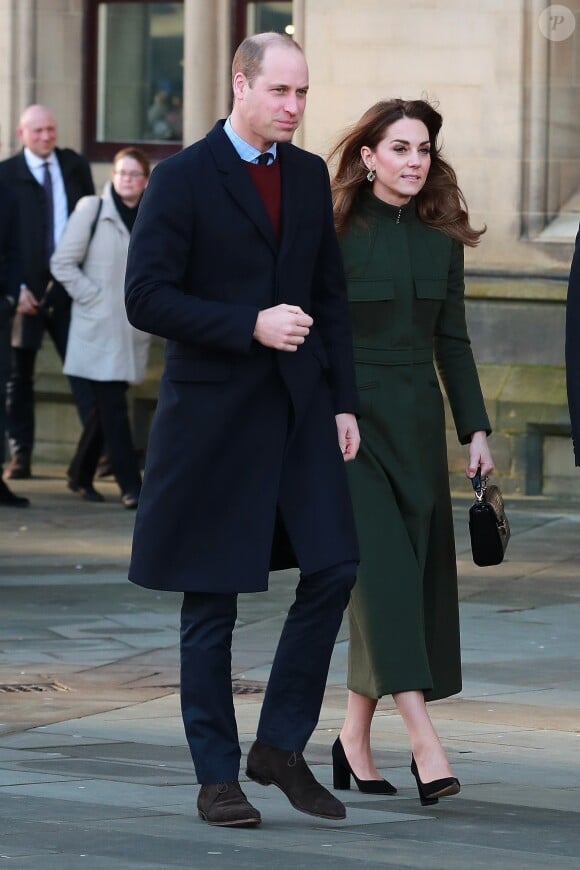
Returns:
(102, 346)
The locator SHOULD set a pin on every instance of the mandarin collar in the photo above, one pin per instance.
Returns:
(396, 214)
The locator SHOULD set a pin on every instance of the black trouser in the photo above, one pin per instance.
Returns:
(5, 329)
(297, 681)
(20, 389)
(107, 422)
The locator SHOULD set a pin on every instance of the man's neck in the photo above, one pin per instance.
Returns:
(33, 158)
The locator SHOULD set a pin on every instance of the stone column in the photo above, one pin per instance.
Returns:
(298, 15)
(199, 73)
(536, 109)
(17, 67)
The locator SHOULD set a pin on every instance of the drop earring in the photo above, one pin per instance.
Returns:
(371, 175)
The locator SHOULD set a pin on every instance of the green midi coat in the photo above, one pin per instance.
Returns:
(406, 292)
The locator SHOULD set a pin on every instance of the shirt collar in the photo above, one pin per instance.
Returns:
(245, 150)
(34, 161)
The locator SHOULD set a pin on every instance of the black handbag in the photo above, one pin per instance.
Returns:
(489, 528)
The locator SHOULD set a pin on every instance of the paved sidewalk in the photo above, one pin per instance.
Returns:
(94, 772)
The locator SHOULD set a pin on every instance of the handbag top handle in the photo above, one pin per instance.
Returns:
(479, 485)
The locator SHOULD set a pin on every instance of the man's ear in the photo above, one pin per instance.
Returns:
(239, 85)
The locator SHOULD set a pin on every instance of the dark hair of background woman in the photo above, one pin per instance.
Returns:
(440, 203)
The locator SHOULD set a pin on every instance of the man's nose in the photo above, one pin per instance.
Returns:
(291, 104)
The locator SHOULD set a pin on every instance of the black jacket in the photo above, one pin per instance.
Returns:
(78, 182)
(9, 254)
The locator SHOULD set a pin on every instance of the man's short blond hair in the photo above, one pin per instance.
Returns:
(250, 53)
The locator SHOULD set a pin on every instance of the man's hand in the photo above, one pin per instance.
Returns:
(283, 327)
(348, 435)
(27, 303)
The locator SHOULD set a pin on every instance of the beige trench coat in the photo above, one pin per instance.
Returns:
(102, 344)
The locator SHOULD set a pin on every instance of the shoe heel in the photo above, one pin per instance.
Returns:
(256, 778)
(447, 786)
(340, 777)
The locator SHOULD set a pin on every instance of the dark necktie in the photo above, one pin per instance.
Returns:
(49, 207)
(263, 159)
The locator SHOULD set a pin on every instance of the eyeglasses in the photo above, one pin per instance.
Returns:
(122, 174)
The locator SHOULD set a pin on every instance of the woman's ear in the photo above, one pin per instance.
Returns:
(367, 156)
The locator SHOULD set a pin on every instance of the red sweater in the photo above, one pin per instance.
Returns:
(268, 182)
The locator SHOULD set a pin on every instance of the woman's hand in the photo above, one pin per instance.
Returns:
(348, 435)
(479, 455)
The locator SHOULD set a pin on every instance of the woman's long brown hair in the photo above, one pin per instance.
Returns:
(440, 203)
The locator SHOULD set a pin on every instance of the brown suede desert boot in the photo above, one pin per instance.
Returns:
(225, 804)
(288, 770)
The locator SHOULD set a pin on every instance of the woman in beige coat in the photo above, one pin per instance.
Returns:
(102, 346)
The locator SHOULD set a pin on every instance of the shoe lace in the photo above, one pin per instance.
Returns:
(295, 759)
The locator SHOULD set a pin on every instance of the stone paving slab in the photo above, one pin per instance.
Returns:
(99, 776)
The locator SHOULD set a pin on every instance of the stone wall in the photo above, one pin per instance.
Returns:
(473, 59)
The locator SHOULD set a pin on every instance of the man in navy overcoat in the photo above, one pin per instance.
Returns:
(235, 262)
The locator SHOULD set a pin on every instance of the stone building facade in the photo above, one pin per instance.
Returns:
(506, 76)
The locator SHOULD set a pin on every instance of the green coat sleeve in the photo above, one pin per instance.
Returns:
(454, 357)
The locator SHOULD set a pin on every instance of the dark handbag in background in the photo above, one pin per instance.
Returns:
(489, 528)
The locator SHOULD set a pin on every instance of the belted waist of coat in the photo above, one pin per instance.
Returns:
(395, 356)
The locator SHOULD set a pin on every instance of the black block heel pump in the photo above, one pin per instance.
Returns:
(430, 792)
(342, 772)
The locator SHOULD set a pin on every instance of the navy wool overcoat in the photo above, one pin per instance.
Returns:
(244, 473)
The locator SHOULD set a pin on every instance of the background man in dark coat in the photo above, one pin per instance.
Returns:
(47, 182)
(235, 262)
(9, 289)
(573, 349)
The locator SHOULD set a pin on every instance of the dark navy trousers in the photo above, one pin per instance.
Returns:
(297, 680)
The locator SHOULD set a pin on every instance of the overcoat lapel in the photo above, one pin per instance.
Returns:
(237, 181)
(24, 173)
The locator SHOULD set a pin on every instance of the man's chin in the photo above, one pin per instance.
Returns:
(284, 135)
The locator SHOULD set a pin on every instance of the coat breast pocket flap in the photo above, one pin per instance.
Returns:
(197, 370)
(431, 288)
(371, 289)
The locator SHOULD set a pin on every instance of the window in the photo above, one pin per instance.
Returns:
(134, 77)
(257, 16)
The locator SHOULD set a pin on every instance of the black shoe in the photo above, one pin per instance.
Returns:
(430, 792)
(87, 493)
(130, 500)
(225, 804)
(19, 467)
(10, 499)
(289, 771)
(342, 772)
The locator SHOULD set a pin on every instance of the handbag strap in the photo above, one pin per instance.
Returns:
(479, 485)
(95, 221)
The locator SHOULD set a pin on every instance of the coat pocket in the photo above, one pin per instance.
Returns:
(431, 288)
(371, 289)
(178, 369)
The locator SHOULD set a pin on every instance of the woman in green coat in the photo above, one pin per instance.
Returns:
(403, 224)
